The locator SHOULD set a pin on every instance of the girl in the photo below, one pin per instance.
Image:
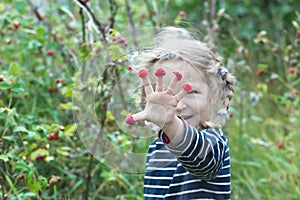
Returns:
(190, 157)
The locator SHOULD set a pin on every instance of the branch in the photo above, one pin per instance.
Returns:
(82, 24)
(92, 19)
(113, 12)
(150, 13)
(131, 23)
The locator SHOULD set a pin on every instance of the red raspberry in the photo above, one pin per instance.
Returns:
(181, 14)
(160, 72)
(129, 120)
(279, 144)
(50, 53)
(187, 87)
(260, 72)
(58, 80)
(143, 73)
(178, 75)
(292, 70)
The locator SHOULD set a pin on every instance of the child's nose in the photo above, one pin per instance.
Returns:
(180, 106)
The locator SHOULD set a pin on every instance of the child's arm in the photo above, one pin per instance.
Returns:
(202, 153)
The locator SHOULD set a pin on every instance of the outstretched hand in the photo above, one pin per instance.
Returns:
(161, 103)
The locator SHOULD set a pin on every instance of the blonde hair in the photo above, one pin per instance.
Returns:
(178, 44)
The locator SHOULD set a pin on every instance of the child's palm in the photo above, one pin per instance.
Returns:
(161, 104)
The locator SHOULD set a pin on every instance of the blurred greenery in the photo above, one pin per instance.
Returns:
(43, 44)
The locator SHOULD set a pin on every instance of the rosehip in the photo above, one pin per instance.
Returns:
(113, 39)
(298, 33)
(129, 68)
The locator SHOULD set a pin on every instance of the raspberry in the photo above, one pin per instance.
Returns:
(260, 72)
(181, 14)
(292, 70)
(178, 75)
(143, 73)
(160, 72)
(187, 87)
(129, 120)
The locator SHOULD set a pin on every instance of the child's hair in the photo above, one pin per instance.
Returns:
(179, 45)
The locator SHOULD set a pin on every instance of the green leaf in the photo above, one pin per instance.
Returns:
(70, 130)
(262, 66)
(43, 181)
(34, 186)
(68, 106)
(5, 85)
(4, 158)
(295, 24)
(14, 69)
(20, 129)
(18, 88)
(67, 91)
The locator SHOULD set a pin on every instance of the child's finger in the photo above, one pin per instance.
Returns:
(131, 119)
(160, 73)
(174, 81)
(186, 88)
(146, 82)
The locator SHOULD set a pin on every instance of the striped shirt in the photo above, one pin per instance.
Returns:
(197, 167)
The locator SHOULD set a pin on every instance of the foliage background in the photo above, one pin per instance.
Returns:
(45, 43)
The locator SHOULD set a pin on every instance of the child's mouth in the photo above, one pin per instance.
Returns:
(186, 117)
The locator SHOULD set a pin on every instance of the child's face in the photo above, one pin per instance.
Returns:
(194, 106)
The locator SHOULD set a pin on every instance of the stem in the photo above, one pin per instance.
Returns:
(82, 23)
(150, 13)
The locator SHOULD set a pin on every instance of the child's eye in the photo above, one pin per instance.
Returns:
(194, 92)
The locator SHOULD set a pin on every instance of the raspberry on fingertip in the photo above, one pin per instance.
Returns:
(143, 73)
(178, 75)
(129, 120)
(160, 72)
(187, 87)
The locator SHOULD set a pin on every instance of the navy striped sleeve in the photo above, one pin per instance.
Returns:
(201, 152)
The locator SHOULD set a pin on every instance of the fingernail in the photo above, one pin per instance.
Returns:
(187, 87)
(178, 75)
(160, 72)
(143, 73)
(129, 120)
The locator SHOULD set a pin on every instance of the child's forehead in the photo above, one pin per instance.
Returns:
(188, 71)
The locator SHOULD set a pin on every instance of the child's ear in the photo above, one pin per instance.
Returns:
(227, 99)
